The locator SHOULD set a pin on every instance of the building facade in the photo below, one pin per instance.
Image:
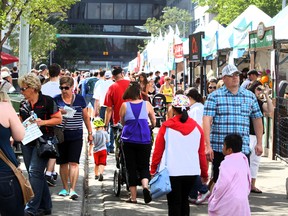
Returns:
(116, 18)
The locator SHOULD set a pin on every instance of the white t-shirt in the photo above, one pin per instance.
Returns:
(196, 113)
(51, 88)
(101, 90)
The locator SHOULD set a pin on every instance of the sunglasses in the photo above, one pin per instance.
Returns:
(259, 89)
(64, 87)
(24, 89)
(212, 87)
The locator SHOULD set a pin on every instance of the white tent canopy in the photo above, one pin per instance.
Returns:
(236, 33)
(280, 23)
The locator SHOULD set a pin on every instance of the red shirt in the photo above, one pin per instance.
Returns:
(114, 96)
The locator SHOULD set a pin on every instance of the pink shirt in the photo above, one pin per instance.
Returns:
(230, 193)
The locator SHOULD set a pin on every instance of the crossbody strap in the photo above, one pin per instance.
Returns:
(7, 161)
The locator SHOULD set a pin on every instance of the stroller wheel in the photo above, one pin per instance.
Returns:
(117, 183)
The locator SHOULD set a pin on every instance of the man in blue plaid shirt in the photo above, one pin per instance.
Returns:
(227, 110)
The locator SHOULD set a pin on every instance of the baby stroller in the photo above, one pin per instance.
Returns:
(120, 174)
(160, 108)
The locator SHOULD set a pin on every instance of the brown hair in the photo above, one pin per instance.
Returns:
(132, 92)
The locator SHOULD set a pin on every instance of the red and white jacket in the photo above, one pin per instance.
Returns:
(185, 148)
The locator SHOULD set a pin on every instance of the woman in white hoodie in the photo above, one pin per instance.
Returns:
(185, 155)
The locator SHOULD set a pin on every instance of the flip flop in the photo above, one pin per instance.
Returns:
(256, 190)
(129, 200)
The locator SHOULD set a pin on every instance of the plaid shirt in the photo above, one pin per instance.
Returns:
(231, 114)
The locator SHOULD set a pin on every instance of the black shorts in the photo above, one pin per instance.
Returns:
(70, 151)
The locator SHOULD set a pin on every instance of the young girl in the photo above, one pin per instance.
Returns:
(100, 138)
(230, 193)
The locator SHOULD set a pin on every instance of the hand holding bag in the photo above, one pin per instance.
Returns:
(26, 187)
(47, 147)
(160, 184)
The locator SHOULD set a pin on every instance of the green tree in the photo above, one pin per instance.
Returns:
(171, 16)
(227, 10)
(36, 13)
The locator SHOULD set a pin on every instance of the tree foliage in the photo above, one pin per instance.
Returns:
(37, 13)
(228, 10)
(171, 16)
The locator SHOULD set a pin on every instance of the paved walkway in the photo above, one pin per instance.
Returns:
(102, 201)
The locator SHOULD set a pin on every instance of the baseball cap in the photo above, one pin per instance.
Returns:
(180, 101)
(42, 67)
(108, 74)
(253, 71)
(5, 74)
(229, 70)
(87, 74)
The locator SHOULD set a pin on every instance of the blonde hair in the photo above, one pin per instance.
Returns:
(4, 97)
(31, 80)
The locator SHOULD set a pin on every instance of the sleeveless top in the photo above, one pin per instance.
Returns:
(5, 146)
(168, 91)
(136, 129)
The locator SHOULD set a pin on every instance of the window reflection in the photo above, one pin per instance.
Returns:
(133, 11)
(119, 11)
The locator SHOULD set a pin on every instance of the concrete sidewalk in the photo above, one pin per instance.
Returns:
(98, 199)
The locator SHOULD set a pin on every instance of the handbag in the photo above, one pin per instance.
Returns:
(47, 147)
(160, 184)
(25, 185)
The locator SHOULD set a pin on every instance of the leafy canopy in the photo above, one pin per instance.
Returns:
(228, 10)
(171, 16)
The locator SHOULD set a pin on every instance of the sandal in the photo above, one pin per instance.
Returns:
(255, 190)
(147, 195)
(129, 200)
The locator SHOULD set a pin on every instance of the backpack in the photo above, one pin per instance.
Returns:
(89, 85)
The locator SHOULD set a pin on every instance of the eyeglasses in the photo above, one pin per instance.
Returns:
(259, 89)
(212, 87)
(64, 87)
(24, 89)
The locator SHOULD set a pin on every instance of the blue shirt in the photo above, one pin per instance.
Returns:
(231, 114)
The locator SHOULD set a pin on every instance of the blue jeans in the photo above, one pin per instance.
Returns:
(35, 167)
(11, 199)
(198, 187)
(89, 98)
(110, 145)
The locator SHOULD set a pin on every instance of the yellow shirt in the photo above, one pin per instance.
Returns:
(168, 91)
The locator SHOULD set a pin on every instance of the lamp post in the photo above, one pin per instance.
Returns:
(184, 28)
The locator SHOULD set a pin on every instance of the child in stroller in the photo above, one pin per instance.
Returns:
(160, 108)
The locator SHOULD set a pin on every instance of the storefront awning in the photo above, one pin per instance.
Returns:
(8, 59)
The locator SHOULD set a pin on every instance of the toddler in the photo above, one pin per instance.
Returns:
(230, 193)
(100, 138)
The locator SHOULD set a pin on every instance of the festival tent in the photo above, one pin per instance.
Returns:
(236, 34)
(210, 41)
(8, 59)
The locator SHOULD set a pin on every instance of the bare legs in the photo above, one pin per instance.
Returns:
(69, 171)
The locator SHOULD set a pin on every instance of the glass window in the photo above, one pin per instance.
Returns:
(92, 11)
(146, 11)
(106, 10)
(119, 11)
(133, 11)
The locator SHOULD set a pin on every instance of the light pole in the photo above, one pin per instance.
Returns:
(184, 28)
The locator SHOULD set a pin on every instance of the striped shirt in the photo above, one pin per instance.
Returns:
(75, 123)
(231, 114)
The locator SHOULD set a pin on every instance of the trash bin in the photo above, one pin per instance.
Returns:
(16, 98)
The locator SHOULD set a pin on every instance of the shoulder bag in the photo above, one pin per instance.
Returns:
(160, 184)
(26, 188)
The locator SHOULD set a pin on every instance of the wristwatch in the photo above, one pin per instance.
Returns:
(90, 133)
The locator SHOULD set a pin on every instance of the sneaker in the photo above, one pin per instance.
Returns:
(203, 197)
(50, 180)
(192, 201)
(55, 176)
(96, 177)
(73, 195)
(101, 177)
(63, 192)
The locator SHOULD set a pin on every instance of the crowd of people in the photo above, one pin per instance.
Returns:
(223, 128)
